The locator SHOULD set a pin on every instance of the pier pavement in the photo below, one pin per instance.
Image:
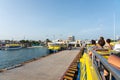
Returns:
(51, 67)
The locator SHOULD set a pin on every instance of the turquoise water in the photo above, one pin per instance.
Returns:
(13, 57)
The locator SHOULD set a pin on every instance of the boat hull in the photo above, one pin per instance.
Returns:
(12, 48)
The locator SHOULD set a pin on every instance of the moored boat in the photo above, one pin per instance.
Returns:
(11, 47)
(54, 47)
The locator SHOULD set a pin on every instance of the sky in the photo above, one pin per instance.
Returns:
(58, 19)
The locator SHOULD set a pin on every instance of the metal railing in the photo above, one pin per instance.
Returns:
(102, 64)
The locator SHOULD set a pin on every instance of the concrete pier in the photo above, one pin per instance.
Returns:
(51, 67)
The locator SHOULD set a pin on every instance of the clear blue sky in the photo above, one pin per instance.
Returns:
(40, 19)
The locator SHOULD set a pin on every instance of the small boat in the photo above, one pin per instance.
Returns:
(35, 47)
(54, 47)
(57, 46)
(11, 47)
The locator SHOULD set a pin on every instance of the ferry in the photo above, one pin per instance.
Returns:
(101, 65)
(56, 46)
(11, 47)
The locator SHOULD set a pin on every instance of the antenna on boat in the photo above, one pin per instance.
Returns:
(114, 28)
(24, 38)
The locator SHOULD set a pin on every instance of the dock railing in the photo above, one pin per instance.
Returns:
(102, 65)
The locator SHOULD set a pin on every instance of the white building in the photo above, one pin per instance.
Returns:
(71, 38)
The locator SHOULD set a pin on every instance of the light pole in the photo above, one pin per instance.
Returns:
(114, 28)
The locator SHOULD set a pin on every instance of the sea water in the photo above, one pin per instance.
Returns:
(10, 58)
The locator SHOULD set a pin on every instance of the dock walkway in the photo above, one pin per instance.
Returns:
(51, 67)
